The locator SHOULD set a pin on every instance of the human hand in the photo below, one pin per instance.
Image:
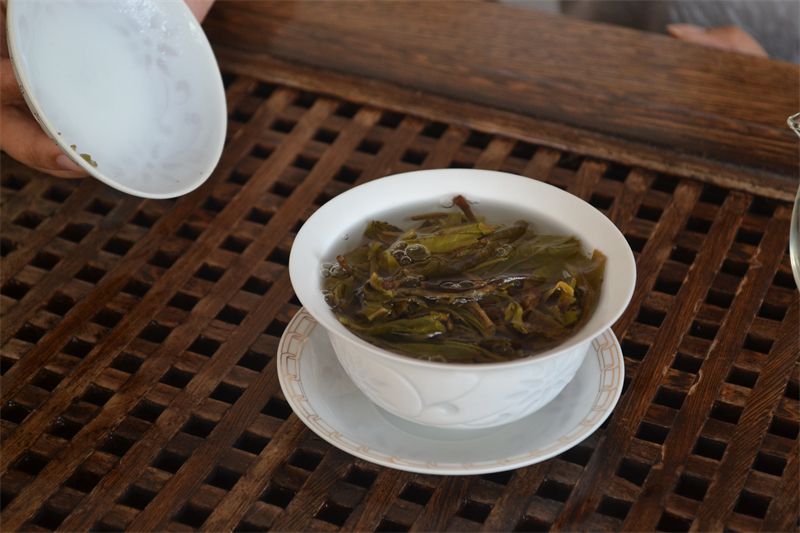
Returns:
(730, 38)
(20, 135)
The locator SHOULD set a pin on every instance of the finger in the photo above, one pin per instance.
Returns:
(737, 40)
(9, 88)
(24, 140)
(729, 38)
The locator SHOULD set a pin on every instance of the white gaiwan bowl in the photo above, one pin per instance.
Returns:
(451, 395)
(131, 83)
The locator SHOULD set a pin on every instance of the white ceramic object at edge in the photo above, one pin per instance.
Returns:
(132, 83)
(452, 395)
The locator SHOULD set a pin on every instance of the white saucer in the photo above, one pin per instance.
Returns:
(325, 399)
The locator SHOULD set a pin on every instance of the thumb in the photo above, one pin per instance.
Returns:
(24, 140)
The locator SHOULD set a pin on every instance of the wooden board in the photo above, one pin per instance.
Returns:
(138, 337)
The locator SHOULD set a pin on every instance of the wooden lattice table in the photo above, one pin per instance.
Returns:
(139, 337)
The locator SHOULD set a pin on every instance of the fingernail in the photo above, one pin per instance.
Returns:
(68, 164)
(684, 29)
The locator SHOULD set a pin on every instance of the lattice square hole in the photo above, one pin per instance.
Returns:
(713, 195)
(614, 507)
(225, 392)
(416, 493)
(277, 495)
(117, 246)
(772, 311)
(554, 490)
(369, 146)
(742, 377)
(231, 315)
(414, 157)
(734, 268)
(277, 408)
(783, 427)
(205, 346)
(64, 428)
(177, 378)
(147, 410)
(279, 256)
(324, 135)
(647, 212)
(259, 216)
(304, 162)
(757, 343)
(769, 464)
(601, 201)
(60, 304)
(46, 379)
(90, 274)
(387, 525)
(15, 183)
(710, 448)
(692, 487)
(390, 120)
(213, 204)
(634, 350)
(48, 517)
(762, 207)
(275, 328)
(254, 360)
(726, 412)
(333, 513)
(31, 463)
(687, 363)
(163, 259)
(636, 243)
(283, 126)
(199, 427)
(77, 348)
(15, 289)
(155, 332)
(143, 219)
(360, 477)
(474, 511)
(14, 412)
(305, 459)
(251, 443)
(752, 504)
(652, 433)
(578, 455)
(6, 246)
(127, 362)
(671, 522)
(83, 480)
(28, 219)
(209, 272)
(136, 497)
(192, 515)
(669, 398)
(57, 194)
(347, 174)
(75, 232)
(703, 330)
(189, 232)
(169, 461)
(5, 364)
(97, 395)
(346, 110)
(136, 287)
(116, 444)
(45, 260)
(223, 478)
(651, 317)
(183, 301)
(30, 333)
(500, 478)
(256, 285)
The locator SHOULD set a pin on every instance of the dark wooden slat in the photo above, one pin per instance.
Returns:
(604, 89)
(625, 420)
(721, 497)
(646, 510)
(529, 129)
